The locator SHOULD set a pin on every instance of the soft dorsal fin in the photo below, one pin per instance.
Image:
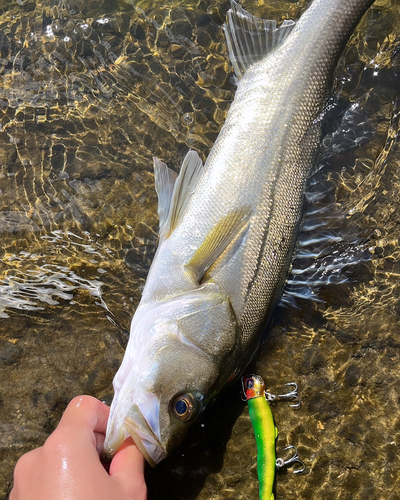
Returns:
(217, 240)
(164, 180)
(174, 192)
(250, 39)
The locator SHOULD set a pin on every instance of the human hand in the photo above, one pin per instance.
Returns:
(68, 467)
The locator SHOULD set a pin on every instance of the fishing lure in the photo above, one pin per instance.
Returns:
(266, 433)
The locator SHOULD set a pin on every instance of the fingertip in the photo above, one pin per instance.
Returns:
(127, 467)
(86, 410)
(128, 456)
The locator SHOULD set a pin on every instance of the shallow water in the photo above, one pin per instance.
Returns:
(89, 92)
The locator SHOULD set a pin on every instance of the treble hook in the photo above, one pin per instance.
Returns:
(295, 458)
(243, 394)
(293, 395)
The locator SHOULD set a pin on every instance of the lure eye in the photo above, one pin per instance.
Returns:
(184, 407)
(249, 383)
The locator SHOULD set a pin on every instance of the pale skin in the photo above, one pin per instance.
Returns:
(68, 467)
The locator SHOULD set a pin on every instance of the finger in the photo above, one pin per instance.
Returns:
(99, 441)
(83, 413)
(24, 472)
(26, 463)
(83, 417)
(127, 469)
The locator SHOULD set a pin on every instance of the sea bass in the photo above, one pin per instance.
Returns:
(228, 229)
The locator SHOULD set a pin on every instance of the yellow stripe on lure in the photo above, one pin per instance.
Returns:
(265, 432)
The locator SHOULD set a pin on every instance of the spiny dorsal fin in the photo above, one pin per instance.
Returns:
(250, 39)
(174, 192)
(217, 240)
(164, 180)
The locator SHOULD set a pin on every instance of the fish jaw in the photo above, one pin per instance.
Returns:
(144, 437)
(139, 423)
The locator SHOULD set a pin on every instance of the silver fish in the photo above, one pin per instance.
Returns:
(228, 229)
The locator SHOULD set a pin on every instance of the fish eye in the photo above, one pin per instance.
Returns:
(184, 407)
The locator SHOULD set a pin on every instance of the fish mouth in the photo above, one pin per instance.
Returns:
(144, 437)
(134, 424)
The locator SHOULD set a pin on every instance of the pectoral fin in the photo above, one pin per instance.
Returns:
(217, 240)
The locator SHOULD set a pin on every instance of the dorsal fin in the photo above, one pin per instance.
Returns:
(164, 179)
(174, 192)
(250, 39)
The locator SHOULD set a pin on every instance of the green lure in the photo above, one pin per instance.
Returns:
(265, 432)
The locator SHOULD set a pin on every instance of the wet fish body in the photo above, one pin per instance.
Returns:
(228, 229)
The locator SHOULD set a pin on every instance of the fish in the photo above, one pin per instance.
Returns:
(228, 229)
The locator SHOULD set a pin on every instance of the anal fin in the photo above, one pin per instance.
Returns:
(250, 39)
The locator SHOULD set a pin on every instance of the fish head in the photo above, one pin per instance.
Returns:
(174, 364)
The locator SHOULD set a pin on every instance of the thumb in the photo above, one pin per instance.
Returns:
(127, 470)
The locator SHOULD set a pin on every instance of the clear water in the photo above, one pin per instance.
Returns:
(89, 92)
